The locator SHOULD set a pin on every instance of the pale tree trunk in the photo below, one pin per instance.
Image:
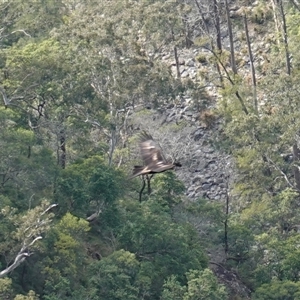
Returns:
(288, 71)
(62, 147)
(217, 24)
(112, 145)
(118, 131)
(124, 133)
(118, 127)
(285, 38)
(296, 157)
(232, 57)
(187, 33)
(296, 4)
(112, 136)
(31, 234)
(253, 76)
(276, 22)
(216, 50)
(218, 38)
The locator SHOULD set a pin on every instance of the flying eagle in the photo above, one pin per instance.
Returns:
(154, 161)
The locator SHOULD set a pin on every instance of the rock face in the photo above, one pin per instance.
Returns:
(208, 173)
(205, 170)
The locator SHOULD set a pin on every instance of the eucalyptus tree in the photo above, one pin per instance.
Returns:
(265, 147)
(26, 231)
(162, 246)
(21, 21)
(116, 47)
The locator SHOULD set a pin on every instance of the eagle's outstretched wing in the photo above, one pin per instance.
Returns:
(150, 151)
(154, 161)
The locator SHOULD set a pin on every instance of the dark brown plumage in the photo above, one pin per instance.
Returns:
(154, 161)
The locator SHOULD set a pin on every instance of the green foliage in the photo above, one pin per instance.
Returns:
(72, 71)
(162, 246)
(204, 285)
(15, 142)
(240, 240)
(36, 18)
(208, 216)
(264, 236)
(30, 296)
(88, 185)
(172, 289)
(23, 230)
(279, 257)
(264, 212)
(6, 225)
(62, 268)
(115, 277)
(6, 290)
(167, 189)
(41, 71)
(278, 290)
(43, 58)
(32, 223)
(26, 168)
(201, 285)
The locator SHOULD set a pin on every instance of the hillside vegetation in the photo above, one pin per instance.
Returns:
(79, 80)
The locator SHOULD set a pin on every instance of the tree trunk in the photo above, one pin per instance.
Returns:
(62, 140)
(226, 226)
(295, 4)
(217, 25)
(112, 145)
(285, 39)
(277, 26)
(232, 56)
(296, 156)
(177, 62)
(251, 65)
(176, 55)
(218, 36)
(187, 33)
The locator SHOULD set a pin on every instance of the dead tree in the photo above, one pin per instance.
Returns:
(30, 233)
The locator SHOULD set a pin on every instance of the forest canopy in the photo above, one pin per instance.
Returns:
(79, 80)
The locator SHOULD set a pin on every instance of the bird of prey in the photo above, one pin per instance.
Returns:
(152, 156)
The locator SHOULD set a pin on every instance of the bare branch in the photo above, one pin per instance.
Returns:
(18, 260)
(296, 4)
(21, 256)
(21, 30)
(4, 96)
(6, 100)
(50, 207)
(25, 247)
(282, 173)
(28, 241)
(15, 31)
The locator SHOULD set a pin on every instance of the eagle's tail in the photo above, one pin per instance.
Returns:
(137, 171)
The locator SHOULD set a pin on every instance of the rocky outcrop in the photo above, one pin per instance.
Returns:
(205, 170)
